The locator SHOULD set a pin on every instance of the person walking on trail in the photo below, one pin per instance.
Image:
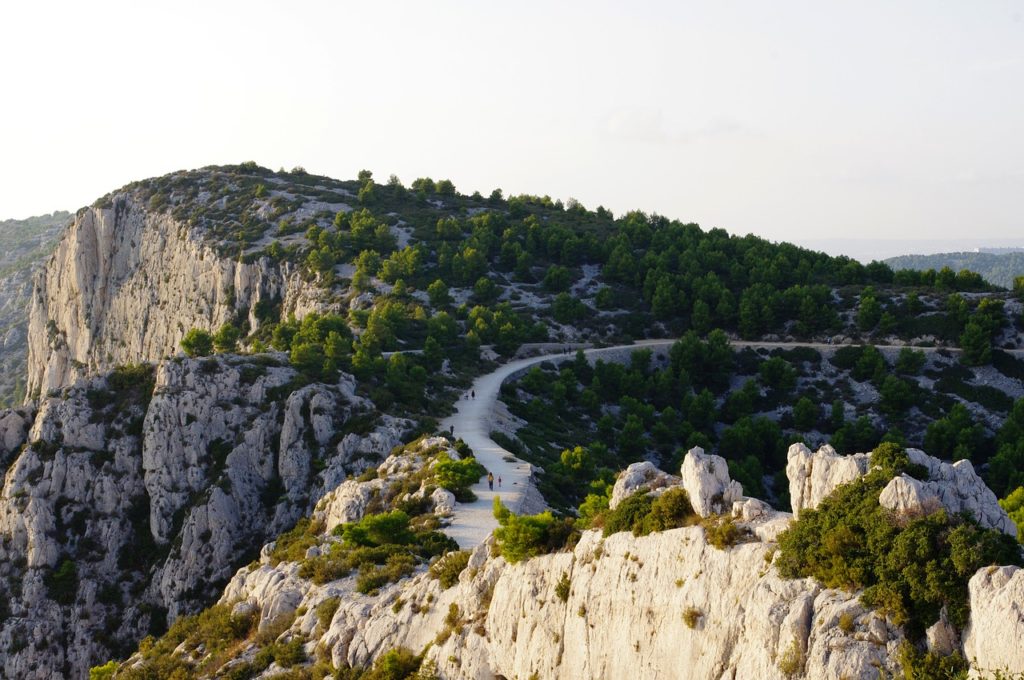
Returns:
(499, 482)
(472, 393)
(490, 481)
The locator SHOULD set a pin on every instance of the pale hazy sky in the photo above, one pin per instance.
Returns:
(793, 120)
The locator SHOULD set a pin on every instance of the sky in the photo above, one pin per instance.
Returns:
(805, 121)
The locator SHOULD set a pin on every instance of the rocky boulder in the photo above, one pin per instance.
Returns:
(642, 476)
(953, 486)
(707, 483)
(813, 476)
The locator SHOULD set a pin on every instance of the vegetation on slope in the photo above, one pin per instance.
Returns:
(584, 423)
(909, 567)
(397, 536)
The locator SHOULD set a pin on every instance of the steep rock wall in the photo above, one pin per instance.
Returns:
(129, 503)
(125, 284)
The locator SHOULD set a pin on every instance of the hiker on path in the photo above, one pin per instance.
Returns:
(472, 393)
(499, 482)
(490, 480)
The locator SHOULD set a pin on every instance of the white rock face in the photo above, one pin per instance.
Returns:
(125, 284)
(155, 504)
(955, 487)
(941, 637)
(443, 500)
(623, 617)
(640, 476)
(813, 476)
(14, 425)
(992, 640)
(707, 483)
(656, 606)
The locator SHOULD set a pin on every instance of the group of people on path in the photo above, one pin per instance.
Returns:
(490, 481)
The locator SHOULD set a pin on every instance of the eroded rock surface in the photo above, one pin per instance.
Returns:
(813, 476)
(125, 283)
(992, 640)
(131, 502)
(707, 483)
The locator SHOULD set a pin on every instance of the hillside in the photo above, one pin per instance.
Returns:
(24, 244)
(999, 269)
(237, 377)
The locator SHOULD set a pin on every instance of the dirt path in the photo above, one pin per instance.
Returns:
(471, 421)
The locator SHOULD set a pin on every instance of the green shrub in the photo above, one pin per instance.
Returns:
(104, 672)
(519, 537)
(908, 567)
(458, 475)
(197, 343)
(643, 514)
(846, 622)
(325, 612)
(62, 583)
(919, 665)
(447, 569)
(892, 460)
(629, 514)
(226, 338)
(692, 616)
(722, 532)
(291, 546)
(563, 587)
(791, 661)
(397, 664)
(372, 577)
(1013, 504)
(377, 530)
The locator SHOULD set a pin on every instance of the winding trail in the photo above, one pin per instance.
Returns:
(471, 422)
(473, 522)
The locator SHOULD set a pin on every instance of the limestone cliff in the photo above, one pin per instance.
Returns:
(127, 281)
(133, 496)
(669, 604)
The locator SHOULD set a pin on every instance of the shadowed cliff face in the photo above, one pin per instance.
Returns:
(24, 245)
(132, 497)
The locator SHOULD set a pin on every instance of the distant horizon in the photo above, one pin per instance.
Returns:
(867, 249)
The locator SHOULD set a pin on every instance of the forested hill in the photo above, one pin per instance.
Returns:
(999, 269)
(328, 322)
(532, 268)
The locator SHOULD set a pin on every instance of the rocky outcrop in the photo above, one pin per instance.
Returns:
(813, 476)
(956, 487)
(137, 495)
(635, 607)
(992, 640)
(615, 606)
(14, 426)
(953, 486)
(125, 283)
(642, 476)
(707, 483)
